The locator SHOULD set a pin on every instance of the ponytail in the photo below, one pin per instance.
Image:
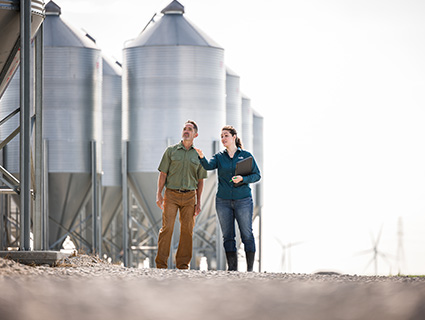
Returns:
(239, 142)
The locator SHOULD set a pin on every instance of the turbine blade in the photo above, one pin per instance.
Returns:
(280, 242)
(293, 244)
(363, 252)
(379, 236)
(384, 257)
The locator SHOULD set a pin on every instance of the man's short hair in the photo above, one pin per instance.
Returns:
(194, 124)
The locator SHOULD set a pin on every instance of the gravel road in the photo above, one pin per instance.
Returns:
(85, 287)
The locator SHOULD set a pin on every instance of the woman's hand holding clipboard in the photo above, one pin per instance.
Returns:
(243, 168)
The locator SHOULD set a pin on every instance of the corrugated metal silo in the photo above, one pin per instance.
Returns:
(111, 155)
(72, 118)
(172, 72)
(258, 190)
(258, 150)
(247, 129)
(112, 114)
(233, 101)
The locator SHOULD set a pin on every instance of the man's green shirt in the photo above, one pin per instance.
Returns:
(182, 167)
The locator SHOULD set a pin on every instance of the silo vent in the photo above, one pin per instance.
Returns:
(90, 37)
(174, 7)
(52, 9)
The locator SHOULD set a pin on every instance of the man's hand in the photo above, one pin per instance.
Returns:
(160, 201)
(162, 177)
(197, 209)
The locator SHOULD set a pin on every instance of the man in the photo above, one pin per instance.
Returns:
(181, 173)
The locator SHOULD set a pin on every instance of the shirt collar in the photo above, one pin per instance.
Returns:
(237, 150)
(181, 145)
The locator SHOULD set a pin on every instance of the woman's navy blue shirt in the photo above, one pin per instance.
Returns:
(226, 170)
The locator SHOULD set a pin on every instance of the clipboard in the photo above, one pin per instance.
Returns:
(243, 168)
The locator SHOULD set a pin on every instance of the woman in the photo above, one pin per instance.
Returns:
(233, 202)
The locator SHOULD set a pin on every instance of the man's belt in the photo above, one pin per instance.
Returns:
(182, 190)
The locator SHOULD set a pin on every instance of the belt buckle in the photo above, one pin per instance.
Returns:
(183, 190)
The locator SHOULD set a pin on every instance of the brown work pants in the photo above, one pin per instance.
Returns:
(185, 204)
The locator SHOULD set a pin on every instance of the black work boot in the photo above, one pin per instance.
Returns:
(249, 260)
(232, 260)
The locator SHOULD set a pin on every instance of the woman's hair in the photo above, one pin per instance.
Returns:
(233, 132)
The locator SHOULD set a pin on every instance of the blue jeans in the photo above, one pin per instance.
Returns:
(240, 210)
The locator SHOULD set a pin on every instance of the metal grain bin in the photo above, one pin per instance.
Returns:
(112, 114)
(9, 36)
(72, 119)
(172, 72)
(258, 151)
(247, 126)
(233, 101)
(258, 135)
(111, 155)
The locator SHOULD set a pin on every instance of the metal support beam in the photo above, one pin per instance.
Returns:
(72, 232)
(99, 215)
(25, 136)
(259, 201)
(219, 248)
(9, 176)
(11, 190)
(96, 216)
(9, 116)
(3, 208)
(46, 237)
(125, 210)
(40, 242)
(10, 137)
(111, 222)
(7, 66)
(260, 240)
(138, 194)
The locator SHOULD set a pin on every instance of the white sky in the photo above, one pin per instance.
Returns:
(341, 87)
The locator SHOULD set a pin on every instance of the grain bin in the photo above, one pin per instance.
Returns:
(111, 156)
(72, 119)
(233, 101)
(247, 128)
(172, 72)
(258, 149)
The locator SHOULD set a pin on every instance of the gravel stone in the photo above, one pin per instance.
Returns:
(86, 287)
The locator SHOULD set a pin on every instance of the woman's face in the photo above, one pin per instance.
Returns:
(227, 139)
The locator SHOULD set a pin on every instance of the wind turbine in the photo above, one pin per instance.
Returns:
(400, 250)
(375, 253)
(287, 248)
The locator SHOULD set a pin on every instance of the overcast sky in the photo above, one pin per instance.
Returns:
(341, 87)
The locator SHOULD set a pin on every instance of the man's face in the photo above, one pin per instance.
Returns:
(189, 133)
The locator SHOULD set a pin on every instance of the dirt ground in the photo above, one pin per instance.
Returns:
(88, 288)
